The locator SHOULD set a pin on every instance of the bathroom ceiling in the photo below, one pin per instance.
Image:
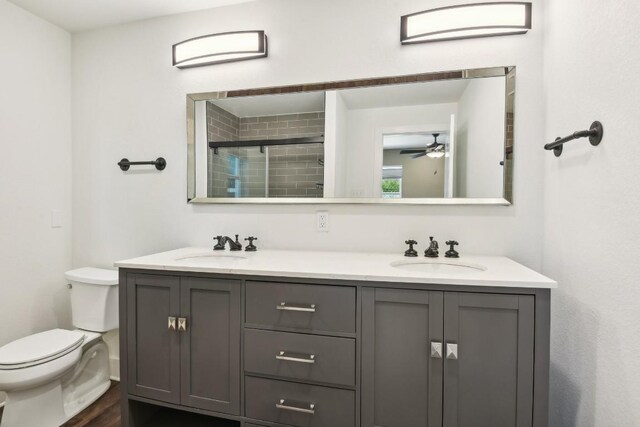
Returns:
(82, 15)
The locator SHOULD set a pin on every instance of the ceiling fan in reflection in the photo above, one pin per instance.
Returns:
(434, 150)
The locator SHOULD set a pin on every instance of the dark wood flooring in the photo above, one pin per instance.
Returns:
(104, 412)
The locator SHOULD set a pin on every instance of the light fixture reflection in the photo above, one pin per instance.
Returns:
(220, 48)
(466, 21)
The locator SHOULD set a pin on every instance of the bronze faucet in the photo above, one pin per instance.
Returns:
(222, 241)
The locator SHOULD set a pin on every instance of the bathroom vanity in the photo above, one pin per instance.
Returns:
(331, 339)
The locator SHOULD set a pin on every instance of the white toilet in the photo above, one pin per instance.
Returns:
(51, 376)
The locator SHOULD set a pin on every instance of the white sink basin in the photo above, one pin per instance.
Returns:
(438, 267)
(215, 258)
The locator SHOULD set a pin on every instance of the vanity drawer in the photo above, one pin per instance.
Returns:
(301, 307)
(300, 356)
(298, 404)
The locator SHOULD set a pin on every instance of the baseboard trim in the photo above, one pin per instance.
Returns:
(114, 368)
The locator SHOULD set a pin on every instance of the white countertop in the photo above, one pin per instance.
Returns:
(491, 270)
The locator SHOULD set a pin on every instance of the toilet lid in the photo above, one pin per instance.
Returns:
(93, 276)
(39, 348)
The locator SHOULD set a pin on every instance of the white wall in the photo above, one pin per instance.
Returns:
(129, 101)
(342, 146)
(480, 139)
(35, 177)
(335, 145)
(592, 226)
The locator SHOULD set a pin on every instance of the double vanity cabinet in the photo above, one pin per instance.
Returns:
(280, 338)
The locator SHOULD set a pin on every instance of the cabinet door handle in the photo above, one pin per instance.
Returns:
(452, 351)
(171, 323)
(296, 357)
(436, 350)
(182, 324)
(310, 308)
(308, 408)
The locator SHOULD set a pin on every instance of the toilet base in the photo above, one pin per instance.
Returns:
(37, 407)
(89, 380)
(74, 408)
(55, 402)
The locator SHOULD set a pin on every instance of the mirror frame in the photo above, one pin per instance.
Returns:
(509, 72)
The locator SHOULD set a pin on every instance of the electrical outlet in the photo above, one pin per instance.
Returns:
(323, 221)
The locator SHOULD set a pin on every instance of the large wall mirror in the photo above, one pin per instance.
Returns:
(437, 138)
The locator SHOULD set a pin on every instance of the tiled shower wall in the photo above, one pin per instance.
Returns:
(294, 170)
(224, 126)
(221, 126)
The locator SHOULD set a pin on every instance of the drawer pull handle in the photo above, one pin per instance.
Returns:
(311, 308)
(310, 410)
(296, 357)
(171, 324)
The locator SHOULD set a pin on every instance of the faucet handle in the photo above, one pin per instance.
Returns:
(452, 253)
(251, 247)
(220, 245)
(411, 252)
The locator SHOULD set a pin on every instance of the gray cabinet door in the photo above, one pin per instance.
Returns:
(210, 345)
(401, 381)
(490, 383)
(153, 348)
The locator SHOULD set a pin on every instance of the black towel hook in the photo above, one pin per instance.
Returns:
(594, 133)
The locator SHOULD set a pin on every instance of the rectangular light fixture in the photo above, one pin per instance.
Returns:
(466, 21)
(220, 48)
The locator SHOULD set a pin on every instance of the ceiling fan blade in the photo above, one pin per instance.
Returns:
(415, 156)
(411, 151)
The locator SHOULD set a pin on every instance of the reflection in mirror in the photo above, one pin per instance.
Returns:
(413, 165)
(396, 125)
(428, 138)
(268, 146)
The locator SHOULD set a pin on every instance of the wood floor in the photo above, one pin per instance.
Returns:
(105, 412)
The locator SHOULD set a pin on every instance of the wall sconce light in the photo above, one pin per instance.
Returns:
(220, 48)
(466, 21)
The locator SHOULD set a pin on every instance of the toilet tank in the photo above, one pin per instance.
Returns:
(94, 298)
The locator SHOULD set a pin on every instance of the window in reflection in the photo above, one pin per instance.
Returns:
(392, 182)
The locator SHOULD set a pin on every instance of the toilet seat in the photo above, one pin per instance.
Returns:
(39, 348)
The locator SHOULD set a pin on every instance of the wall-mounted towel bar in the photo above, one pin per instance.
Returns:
(160, 163)
(594, 134)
